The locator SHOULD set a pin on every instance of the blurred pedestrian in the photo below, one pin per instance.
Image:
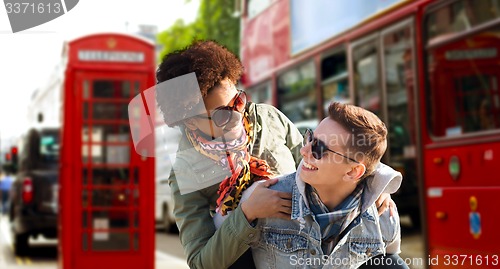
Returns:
(5, 186)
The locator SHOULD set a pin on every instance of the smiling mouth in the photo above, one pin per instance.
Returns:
(308, 166)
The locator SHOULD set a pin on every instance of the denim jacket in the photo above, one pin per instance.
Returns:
(296, 243)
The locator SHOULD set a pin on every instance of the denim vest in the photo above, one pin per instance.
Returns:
(296, 243)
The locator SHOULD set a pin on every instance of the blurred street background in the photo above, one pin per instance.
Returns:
(75, 192)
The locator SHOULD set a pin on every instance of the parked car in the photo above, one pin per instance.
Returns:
(166, 147)
(164, 202)
(34, 193)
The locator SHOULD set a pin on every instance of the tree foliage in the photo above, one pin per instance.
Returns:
(178, 36)
(219, 22)
(215, 21)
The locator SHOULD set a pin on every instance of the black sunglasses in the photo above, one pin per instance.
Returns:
(223, 114)
(319, 148)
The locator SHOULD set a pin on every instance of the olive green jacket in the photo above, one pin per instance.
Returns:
(195, 180)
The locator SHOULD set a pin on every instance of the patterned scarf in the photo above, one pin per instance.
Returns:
(333, 223)
(234, 156)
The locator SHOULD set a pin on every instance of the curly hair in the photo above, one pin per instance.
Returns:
(367, 141)
(210, 61)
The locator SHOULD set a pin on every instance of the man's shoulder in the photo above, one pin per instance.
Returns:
(285, 183)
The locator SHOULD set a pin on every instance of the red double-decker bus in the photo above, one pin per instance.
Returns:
(428, 69)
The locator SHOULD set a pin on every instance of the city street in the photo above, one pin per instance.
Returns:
(43, 252)
(169, 253)
(412, 244)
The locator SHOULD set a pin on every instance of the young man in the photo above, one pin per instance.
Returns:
(225, 140)
(334, 217)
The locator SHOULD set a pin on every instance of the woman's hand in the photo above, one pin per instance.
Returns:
(266, 203)
(385, 202)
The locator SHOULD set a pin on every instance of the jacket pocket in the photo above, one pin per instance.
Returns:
(365, 250)
(284, 242)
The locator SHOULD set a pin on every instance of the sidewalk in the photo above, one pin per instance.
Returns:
(171, 265)
(9, 261)
(162, 262)
(166, 261)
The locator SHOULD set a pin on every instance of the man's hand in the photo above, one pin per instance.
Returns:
(385, 202)
(265, 203)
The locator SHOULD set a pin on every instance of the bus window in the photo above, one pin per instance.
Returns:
(296, 93)
(366, 77)
(460, 16)
(463, 94)
(476, 100)
(261, 93)
(334, 79)
(399, 82)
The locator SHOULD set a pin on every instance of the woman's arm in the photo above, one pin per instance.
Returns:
(204, 246)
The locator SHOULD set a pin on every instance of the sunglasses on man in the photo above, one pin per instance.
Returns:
(222, 115)
(319, 148)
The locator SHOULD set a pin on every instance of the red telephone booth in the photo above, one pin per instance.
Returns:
(106, 188)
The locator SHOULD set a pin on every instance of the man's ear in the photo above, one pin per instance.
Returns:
(357, 171)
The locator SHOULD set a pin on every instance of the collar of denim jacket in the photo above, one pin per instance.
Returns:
(300, 204)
